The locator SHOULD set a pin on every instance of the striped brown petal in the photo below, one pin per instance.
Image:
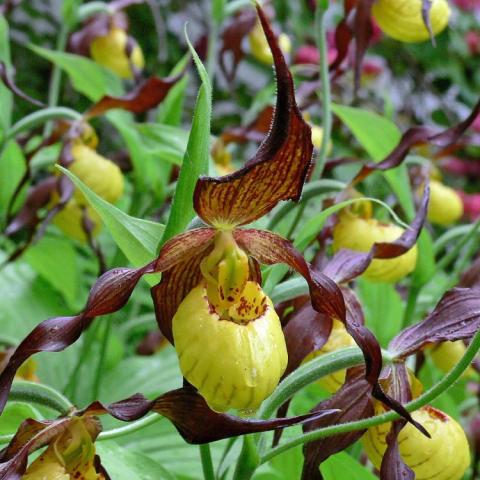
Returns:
(277, 171)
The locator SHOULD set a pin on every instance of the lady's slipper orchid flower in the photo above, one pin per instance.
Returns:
(360, 233)
(444, 456)
(105, 38)
(456, 317)
(211, 275)
(411, 20)
(445, 206)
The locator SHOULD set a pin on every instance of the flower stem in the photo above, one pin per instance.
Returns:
(440, 387)
(101, 360)
(40, 117)
(248, 460)
(56, 78)
(207, 464)
(130, 428)
(32, 392)
(324, 94)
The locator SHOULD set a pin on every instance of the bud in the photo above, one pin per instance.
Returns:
(339, 338)
(259, 45)
(359, 234)
(446, 355)
(111, 51)
(445, 205)
(403, 20)
(444, 456)
(228, 337)
(70, 456)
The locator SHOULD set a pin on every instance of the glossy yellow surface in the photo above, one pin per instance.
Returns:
(446, 206)
(232, 364)
(402, 19)
(69, 457)
(339, 338)
(445, 456)
(99, 174)
(446, 355)
(259, 45)
(109, 51)
(359, 234)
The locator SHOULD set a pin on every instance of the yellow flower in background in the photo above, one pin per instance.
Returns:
(111, 52)
(259, 46)
(444, 456)
(446, 206)
(446, 355)
(357, 233)
(99, 174)
(402, 19)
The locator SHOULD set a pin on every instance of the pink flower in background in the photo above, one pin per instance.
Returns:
(467, 5)
(309, 54)
(460, 167)
(471, 204)
(472, 39)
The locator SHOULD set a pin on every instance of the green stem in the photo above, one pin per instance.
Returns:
(130, 428)
(93, 8)
(248, 460)
(450, 235)
(32, 392)
(103, 350)
(310, 190)
(453, 254)
(409, 314)
(289, 289)
(207, 464)
(440, 387)
(71, 387)
(324, 94)
(55, 80)
(6, 340)
(39, 118)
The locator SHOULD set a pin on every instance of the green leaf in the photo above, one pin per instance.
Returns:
(55, 259)
(6, 98)
(425, 267)
(343, 466)
(14, 414)
(12, 168)
(87, 77)
(171, 109)
(379, 136)
(123, 464)
(138, 239)
(195, 161)
(383, 309)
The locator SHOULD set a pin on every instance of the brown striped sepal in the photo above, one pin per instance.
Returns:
(277, 171)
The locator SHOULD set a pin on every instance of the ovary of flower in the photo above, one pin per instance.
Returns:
(402, 19)
(227, 334)
(359, 234)
(226, 271)
(338, 338)
(110, 51)
(444, 456)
